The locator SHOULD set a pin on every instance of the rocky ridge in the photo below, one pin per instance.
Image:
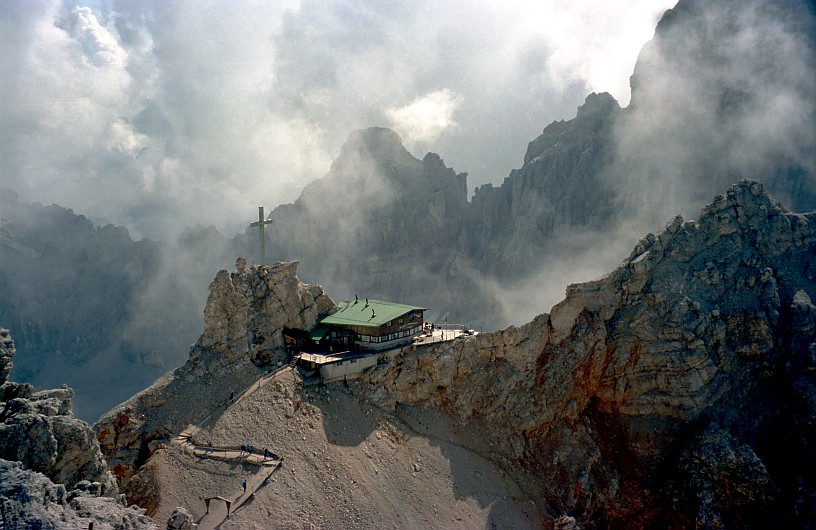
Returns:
(52, 472)
(676, 391)
(244, 319)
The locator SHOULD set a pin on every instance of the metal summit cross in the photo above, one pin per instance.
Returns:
(260, 224)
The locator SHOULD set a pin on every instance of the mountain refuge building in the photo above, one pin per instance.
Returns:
(362, 333)
(371, 324)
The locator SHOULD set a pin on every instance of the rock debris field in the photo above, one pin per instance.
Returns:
(345, 464)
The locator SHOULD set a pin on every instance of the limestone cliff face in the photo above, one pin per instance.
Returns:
(677, 390)
(705, 104)
(52, 472)
(559, 189)
(247, 311)
(243, 321)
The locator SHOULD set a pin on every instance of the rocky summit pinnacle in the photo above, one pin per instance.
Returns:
(247, 311)
(244, 319)
(376, 143)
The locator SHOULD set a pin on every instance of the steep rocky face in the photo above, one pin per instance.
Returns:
(52, 473)
(677, 390)
(247, 312)
(557, 191)
(383, 224)
(244, 319)
(723, 90)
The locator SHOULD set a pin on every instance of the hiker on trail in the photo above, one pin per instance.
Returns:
(243, 448)
(265, 453)
(232, 395)
(249, 449)
(244, 485)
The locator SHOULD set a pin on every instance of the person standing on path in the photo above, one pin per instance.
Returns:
(244, 485)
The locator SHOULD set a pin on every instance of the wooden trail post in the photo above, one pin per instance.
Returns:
(260, 224)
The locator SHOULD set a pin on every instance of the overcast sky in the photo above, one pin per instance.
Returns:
(159, 115)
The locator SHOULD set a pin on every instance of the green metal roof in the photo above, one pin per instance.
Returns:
(318, 332)
(369, 313)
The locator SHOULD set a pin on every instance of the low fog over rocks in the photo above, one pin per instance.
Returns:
(70, 293)
(383, 224)
(723, 91)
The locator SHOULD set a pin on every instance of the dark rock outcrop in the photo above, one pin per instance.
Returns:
(31, 500)
(181, 520)
(7, 351)
(52, 473)
(676, 391)
(38, 429)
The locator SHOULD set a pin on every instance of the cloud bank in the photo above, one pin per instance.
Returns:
(159, 115)
(426, 118)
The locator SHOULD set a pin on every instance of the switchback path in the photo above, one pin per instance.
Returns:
(218, 512)
(227, 454)
(217, 506)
